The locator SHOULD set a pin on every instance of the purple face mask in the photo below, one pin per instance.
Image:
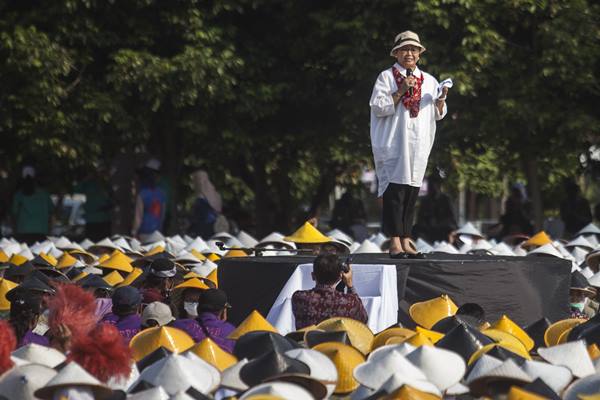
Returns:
(103, 307)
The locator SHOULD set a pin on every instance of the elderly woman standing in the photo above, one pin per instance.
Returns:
(405, 105)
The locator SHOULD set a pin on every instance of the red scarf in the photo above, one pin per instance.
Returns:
(412, 103)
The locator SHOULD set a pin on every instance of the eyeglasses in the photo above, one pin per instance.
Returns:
(411, 49)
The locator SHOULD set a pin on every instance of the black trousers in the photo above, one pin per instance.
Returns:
(399, 209)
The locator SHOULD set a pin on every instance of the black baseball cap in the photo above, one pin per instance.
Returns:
(213, 300)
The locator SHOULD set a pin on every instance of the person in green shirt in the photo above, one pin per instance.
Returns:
(31, 209)
(97, 207)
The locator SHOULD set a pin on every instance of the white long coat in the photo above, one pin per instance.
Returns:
(401, 145)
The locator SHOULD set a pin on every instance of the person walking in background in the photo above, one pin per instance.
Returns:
(575, 210)
(31, 209)
(98, 205)
(207, 207)
(150, 205)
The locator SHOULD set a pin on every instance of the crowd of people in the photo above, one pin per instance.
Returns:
(122, 318)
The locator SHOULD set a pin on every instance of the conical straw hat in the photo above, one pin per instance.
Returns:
(505, 324)
(114, 278)
(346, 359)
(359, 334)
(307, 233)
(572, 355)
(539, 239)
(210, 352)
(516, 350)
(148, 340)
(118, 261)
(382, 337)
(427, 313)
(417, 340)
(253, 322)
(517, 393)
(193, 283)
(5, 286)
(430, 334)
(67, 260)
(554, 331)
(321, 367)
(235, 253)
(213, 276)
(131, 277)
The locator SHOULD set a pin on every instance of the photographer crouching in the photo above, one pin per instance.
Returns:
(324, 301)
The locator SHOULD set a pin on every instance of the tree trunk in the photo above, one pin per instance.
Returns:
(530, 165)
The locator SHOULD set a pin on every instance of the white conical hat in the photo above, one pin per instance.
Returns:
(481, 244)
(154, 237)
(378, 239)
(470, 230)
(276, 237)
(573, 355)
(589, 385)
(444, 247)
(232, 242)
(184, 255)
(502, 249)
(231, 377)
(465, 248)
(44, 247)
(123, 244)
(579, 253)
(197, 244)
(155, 393)
(246, 239)
(179, 240)
(398, 379)
(204, 268)
(547, 249)
(587, 272)
(442, 367)
(221, 236)
(402, 348)
(580, 241)
(27, 253)
(422, 246)
(589, 229)
(63, 243)
(457, 390)
(354, 246)
(595, 280)
(561, 249)
(367, 247)
(38, 354)
(362, 392)
(188, 239)
(519, 251)
(282, 390)
(482, 366)
(321, 366)
(200, 364)
(106, 242)
(508, 369)
(73, 375)
(21, 382)
(555, 376)
(11, 248)
(593, 240)
(92, 270)
(341, 236)
(151, 246)
(213, 248)
(173, 247)
(86, 243)
(182, 396)
(376, 371)
(177, 372)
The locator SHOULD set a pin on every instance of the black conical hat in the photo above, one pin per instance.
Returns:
(270, 365)
(540, 387)
(15, 271)
(445, 325)
(579, 281)
(40, 262)
(31, 284)
(537, 330)
(254, 344)
(503, 354)
(94, 281)
(590, 333)
(153, 357)
(464, 340)
(313, 338)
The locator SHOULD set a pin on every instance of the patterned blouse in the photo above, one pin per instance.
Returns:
(313, 306)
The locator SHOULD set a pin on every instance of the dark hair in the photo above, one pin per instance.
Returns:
(327, 268)
(24, 311)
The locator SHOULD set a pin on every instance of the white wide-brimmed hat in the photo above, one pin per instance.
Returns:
(155, 393)
(555, 376)
(231, 377)
(573, 355)
(246, 239)
(22, 382)
(367, 247)
(482, 366)
(589, 229)
(587, 386)
(398, 379)
(73, 375)
(177, 373)
(377, 370)
(402, 348)
(443, 368)
(38, 354)
(283, 390)
(404, 39)
(321, 367)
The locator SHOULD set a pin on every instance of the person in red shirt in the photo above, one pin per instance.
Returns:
(323, 301)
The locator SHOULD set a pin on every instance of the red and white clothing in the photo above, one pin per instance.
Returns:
(401, 144)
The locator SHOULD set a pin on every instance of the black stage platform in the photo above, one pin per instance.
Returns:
(525, 288)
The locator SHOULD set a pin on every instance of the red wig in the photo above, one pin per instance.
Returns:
(74, 307)
(103, 353)
(8, 343)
